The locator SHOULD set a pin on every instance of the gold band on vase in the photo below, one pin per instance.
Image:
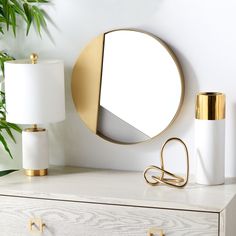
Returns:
(42, 172)
(210, 106)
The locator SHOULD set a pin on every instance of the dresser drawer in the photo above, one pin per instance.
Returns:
(63, 218)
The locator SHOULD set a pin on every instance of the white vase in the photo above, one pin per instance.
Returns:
(210, 138)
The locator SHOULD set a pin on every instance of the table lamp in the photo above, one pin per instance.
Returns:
(35, 94)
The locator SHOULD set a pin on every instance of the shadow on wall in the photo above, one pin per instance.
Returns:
(184, 123)
(234, 139)
(185, 119)
(230, 145)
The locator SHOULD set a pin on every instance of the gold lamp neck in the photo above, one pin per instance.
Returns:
(34, 58)
(34, 128)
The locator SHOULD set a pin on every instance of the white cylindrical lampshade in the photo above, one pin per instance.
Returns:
(35, 93)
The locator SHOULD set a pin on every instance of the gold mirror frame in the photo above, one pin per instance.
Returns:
(86, 82)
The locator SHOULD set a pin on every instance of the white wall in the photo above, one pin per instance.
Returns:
(202, 34)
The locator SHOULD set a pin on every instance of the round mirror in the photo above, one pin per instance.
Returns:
(127, 86)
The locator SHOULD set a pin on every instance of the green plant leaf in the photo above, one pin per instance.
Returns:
(6, 172)
(4, 57)
(10, 134)
(18, 8)
(3, 113)
(14, 127)
(12, 14)
(28, 10)
(36, 17)
(4, 143)
(40, 14)
(5, 8)
(1, 10)
(28, 16)
(3, 20)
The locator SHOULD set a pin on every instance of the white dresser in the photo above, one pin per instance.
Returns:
(90, 202)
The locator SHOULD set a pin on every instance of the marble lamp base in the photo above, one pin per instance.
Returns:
(35, 151)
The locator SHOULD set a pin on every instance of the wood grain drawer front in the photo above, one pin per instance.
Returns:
(63, 218)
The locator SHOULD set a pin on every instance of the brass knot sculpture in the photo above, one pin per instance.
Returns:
(171, 179)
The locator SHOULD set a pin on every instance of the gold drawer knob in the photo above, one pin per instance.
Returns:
(36, 225)
(155, 232)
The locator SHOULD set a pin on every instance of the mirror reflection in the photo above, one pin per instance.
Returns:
(127, 86)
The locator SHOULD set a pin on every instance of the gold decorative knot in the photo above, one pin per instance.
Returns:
(172, 179)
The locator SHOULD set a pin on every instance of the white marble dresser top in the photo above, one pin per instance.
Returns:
(115, 187)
